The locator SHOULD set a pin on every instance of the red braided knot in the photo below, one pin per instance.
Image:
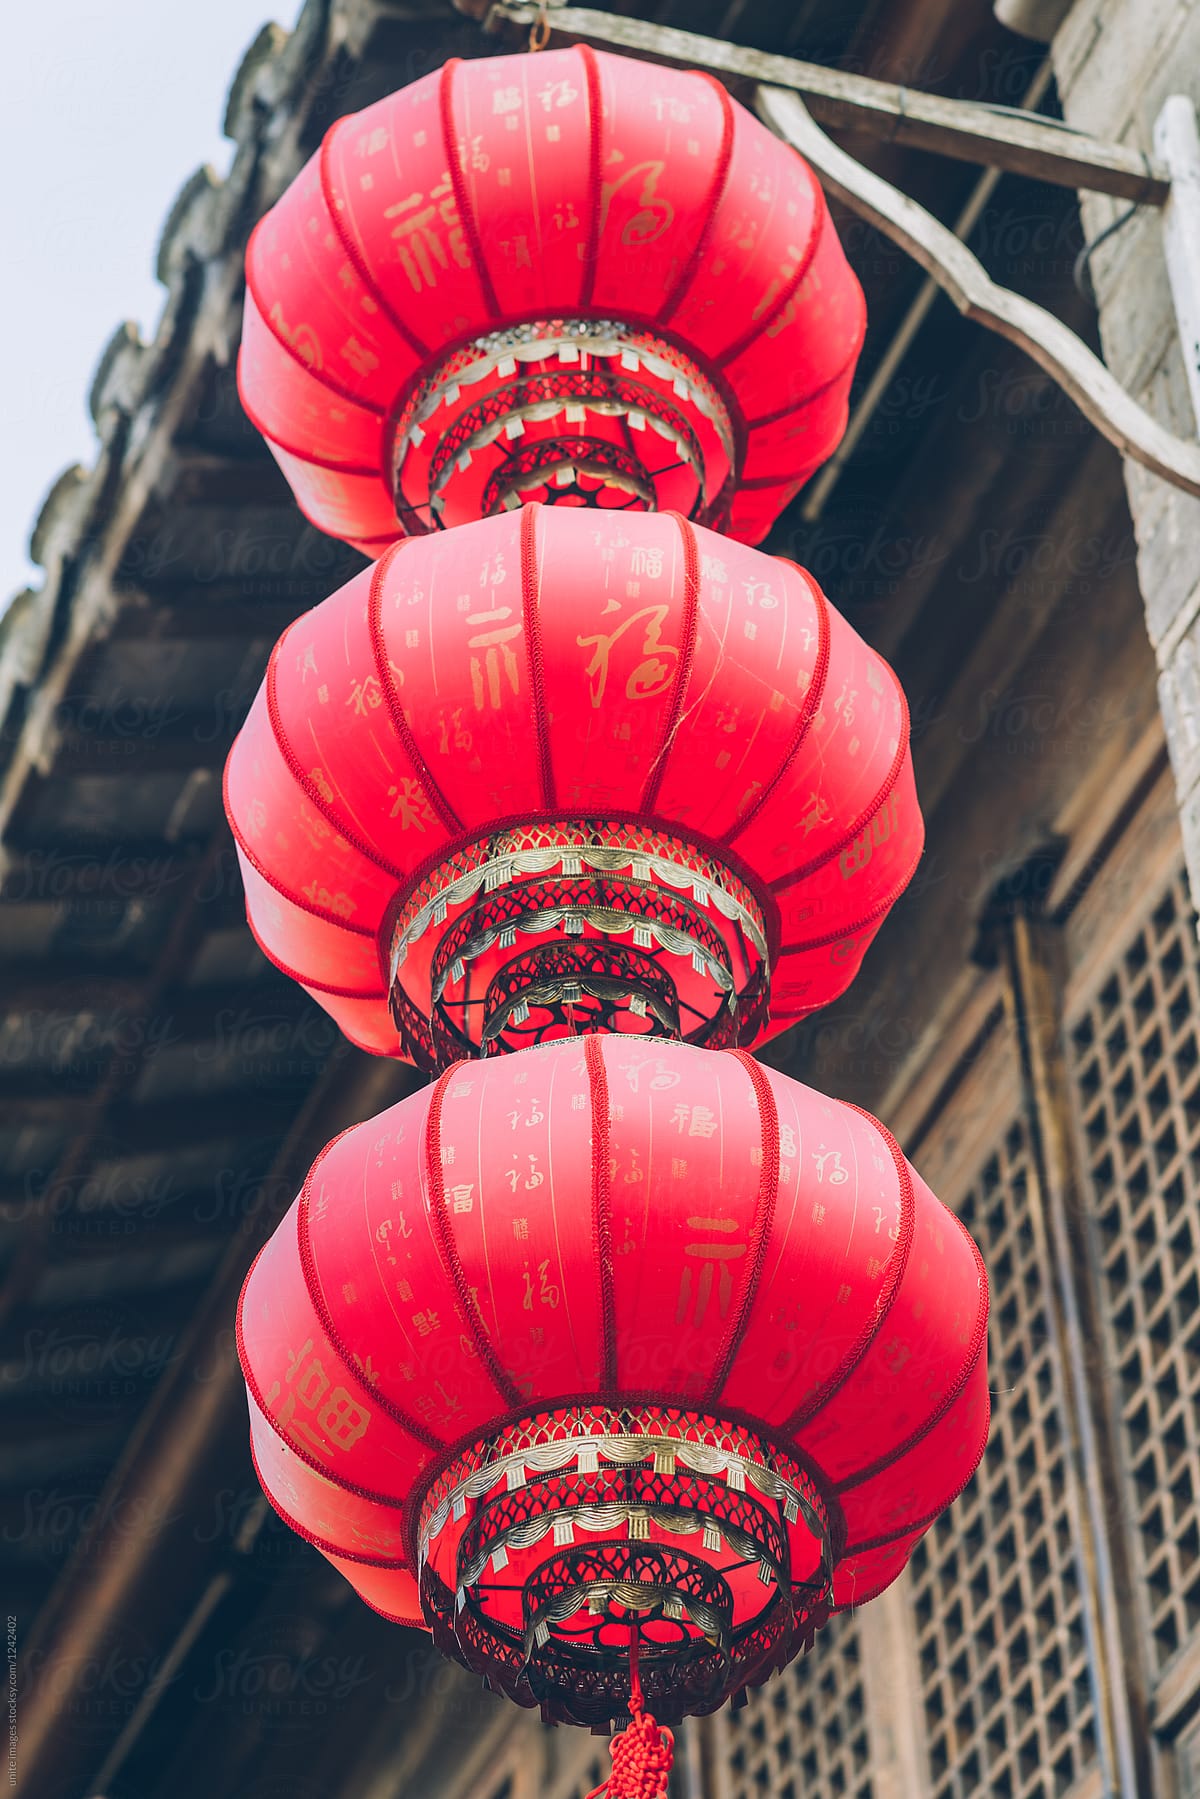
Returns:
(641, 1758)
(641, 1755)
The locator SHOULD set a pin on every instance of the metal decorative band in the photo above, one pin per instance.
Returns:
(575, 910)
(540, 1547)
(560, 977)
(568, 849)
(561, 404)
(585, 1453)
(558, 927)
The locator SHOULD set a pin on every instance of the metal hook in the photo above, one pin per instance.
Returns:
(539, 31)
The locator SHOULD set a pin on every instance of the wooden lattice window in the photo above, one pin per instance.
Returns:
(804, 1734)
(997, 1609)
(1136, 1064)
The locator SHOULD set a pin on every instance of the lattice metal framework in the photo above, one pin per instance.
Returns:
(1135, 1055)
(998, 1614)
(806, 1732)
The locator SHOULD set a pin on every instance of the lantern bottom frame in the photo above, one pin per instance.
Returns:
(588, 411)
(544, 1548)
(634, 929)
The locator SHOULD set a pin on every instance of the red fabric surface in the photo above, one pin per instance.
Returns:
(744, 1246)
(560, 664)
(567, 185)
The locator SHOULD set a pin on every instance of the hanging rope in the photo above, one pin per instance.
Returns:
(643, 1754)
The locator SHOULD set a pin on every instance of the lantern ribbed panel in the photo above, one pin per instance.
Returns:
(551, 665)
(617, 1223)
(572, 185)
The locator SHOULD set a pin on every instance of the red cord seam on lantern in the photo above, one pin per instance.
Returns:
(387, 540)
(716, 194)
(306, 456)
(304, 980)
(809, 710)
(760, 1229)
(388, 1500)
(865, 922)
(448, 1248)
(304, 781)
(951, 1396)
(864, 818)
(531, 610)
(858, 1600)
(595, 190)
(329, 530)
(927, 1518)
(458, 181)
(354, 255)
(798, 406)
(322, 1543)
(689, 626)
(321, 376)
(897, 1264)
(762, 326)
(298, 900)
(391, 1617)
(316, 1299)
(307, 981)
(602, 1206)
(447, 816)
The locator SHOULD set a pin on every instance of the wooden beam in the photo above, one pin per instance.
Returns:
(63, 874)
(190, 743)
(969, 131)
(106, 876)
(1045, 338)
(49, 989)
(158, 1128)
(52, 1348)
(259, 1019)
(151, 1128)
(188, 1443)
(105, 1233)
(21, 1109)
(202, 618)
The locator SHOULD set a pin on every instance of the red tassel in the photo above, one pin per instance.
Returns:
(642, 1756)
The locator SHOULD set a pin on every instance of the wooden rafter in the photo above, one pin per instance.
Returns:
(1043, 337)
(971, 131)
(792, 96)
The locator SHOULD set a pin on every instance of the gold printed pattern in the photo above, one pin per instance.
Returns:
(339, 1419)
(421, 248)
(651, 676)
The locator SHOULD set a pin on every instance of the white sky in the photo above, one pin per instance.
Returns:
(108, 107)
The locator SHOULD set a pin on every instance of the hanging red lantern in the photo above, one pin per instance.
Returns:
(616, 1337)
(573, 277)
(558, 771)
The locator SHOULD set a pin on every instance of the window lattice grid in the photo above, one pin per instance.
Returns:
(804, 1734)
(997, 1609)
(1136, 1064)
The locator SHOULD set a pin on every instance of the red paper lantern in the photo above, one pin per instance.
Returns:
(614, 1331)
(571, 277)
(561, 770)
